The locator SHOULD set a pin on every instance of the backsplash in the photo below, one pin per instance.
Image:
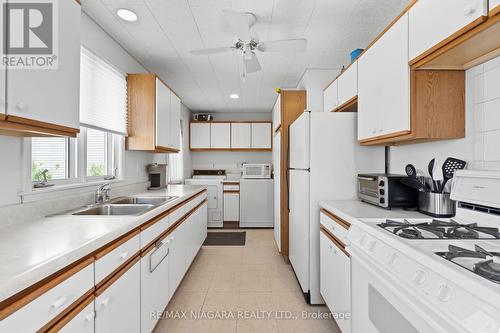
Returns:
(480, 146)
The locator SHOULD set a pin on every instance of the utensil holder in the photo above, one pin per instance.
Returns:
(436, 204)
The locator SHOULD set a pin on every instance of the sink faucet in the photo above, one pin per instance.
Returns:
(102, 193)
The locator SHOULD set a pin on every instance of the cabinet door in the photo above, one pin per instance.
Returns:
(383, 84)
(348, 84)
(231, 207)
(175, 121)
(330, 97)
(220, 135)
(339, 285)
(83, 322)
(277, 114)
(261, 135)
(177, 262)
(200, 135)
(51, 96)
(2, 92)
(241, 134)
(203, 223)
(277, 190)
(154, 284)
(324, 267)
(118, 307)
(162, 114)
(432, 21)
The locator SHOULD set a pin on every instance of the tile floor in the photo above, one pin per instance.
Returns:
(239, 284)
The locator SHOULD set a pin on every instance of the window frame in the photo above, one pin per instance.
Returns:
(111, 156)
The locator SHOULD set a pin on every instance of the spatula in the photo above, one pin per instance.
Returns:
(449, 167)
(430, 168)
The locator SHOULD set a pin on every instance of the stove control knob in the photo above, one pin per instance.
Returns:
(393, 259)
(444, 293)
(419, 277)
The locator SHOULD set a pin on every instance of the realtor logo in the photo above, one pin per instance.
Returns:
(29, 34)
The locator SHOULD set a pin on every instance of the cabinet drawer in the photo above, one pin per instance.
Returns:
(198, 200)
(176, 215)
(46, 307)
(108, 262)
(231, 187)
(338, 229)
(153, 231)
(79, 320)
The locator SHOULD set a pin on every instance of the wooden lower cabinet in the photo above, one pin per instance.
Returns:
(118, 307)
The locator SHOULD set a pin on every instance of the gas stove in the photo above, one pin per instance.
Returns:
(439, 229)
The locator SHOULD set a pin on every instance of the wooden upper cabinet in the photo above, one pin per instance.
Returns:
(241, 135)
(153, 115)
(261, 135)
(383, 86)
(435, 23)
(220, 135)
(494, 7)
(47, 101)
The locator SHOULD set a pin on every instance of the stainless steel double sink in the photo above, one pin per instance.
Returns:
(133, 205)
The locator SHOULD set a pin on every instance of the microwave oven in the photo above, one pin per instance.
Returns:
(256, 170)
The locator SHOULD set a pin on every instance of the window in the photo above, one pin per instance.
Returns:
(94, 155)
(175, 164)
(54, 155)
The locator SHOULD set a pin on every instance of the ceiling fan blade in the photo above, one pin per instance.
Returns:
(212, 50)
(240, 23)
(285, 45)
(252, 64)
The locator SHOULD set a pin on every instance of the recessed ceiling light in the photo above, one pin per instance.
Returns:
(126, 15)
(234, 96)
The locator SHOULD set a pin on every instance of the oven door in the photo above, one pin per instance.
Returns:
(368, 188)
(381, 307)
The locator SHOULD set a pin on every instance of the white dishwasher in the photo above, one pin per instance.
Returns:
(256, 203)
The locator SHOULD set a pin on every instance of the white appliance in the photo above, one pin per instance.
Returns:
(324, 160)
(256, 170)
(213, 179)
(428, 275)
(277, 189)
(256, 203)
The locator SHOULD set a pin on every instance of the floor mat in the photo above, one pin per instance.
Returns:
(225, 239)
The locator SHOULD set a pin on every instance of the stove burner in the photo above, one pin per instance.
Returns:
(488, 269)
(487, 266)
(439, 229)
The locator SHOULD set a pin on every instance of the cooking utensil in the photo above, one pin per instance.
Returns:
(449, 167)
(430, 168)
(422, 179)
(411, 171)
(413, 183)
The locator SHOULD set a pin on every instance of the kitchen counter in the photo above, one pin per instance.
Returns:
(29, 252)
(351, 210)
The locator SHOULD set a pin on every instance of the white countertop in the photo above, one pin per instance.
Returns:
(29, 252)
(351, 210)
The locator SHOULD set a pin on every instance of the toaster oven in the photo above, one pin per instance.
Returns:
(386, 190)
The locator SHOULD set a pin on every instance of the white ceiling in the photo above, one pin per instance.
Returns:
(168, 29)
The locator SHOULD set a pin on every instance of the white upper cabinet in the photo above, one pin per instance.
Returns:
(175, 121)
(432, 21)
(383, 85)
(200, 135)
(331, 97)
(494, 6)
(261, 135)
(220, 136)
(51, 96)
(162, 114)
(347, 87)
(2, 92)
(241, 134)
(277, 113)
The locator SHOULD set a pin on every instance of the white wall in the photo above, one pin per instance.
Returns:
(315, 81)
(231, 161)
(480, 147)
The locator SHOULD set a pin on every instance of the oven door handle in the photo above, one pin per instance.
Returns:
(367, 178)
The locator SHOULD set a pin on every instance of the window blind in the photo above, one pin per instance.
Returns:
(103, 95)
(50, 154)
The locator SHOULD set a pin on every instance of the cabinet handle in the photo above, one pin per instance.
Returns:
(59, 302)
(105, 301)
(90, 316)
(123, 255)
(21, 106)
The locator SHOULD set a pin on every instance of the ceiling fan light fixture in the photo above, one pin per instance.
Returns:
(126, 14)
(234, 96)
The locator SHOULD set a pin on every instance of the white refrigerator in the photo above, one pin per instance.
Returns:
(324, 160)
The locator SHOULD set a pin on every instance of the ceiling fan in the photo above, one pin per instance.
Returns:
(247, 43)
